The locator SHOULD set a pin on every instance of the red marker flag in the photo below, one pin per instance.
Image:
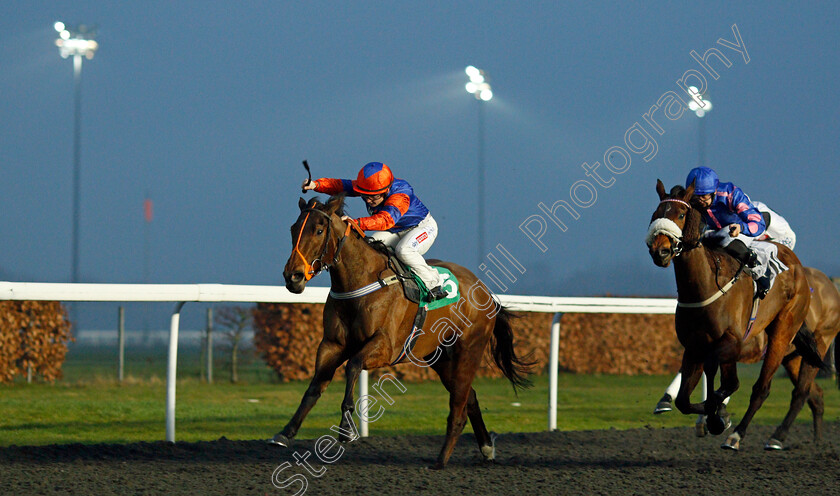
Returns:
(147, 209)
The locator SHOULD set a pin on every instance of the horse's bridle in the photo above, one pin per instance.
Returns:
(678, 242)
(680, 246)
(310, 271)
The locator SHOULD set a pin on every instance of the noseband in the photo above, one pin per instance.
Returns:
(310, 271)
(670, 229)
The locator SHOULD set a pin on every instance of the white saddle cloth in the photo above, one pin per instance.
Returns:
(768, 261)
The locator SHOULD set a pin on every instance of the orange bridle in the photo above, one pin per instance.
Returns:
(309, 269)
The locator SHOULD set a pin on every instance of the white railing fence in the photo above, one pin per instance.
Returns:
(183, 293)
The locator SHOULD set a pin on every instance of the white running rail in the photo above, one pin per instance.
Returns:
(183, 293)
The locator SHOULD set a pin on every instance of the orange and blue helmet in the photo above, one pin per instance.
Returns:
(375, 178)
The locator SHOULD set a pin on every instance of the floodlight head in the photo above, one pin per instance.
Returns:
(478, 85)
(699, 103)
(78, 41)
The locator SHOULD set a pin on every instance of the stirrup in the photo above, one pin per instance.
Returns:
(751, 259)
(437, 293)
(762, 287)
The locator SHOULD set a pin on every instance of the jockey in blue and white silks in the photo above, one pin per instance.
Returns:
(734, 224)
(729, 205)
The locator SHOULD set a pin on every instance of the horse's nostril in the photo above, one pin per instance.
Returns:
(297, 277)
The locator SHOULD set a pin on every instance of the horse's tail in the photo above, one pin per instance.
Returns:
(515, 368)
(806, 347)
(836, 360)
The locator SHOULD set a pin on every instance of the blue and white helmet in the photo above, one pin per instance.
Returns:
(705, 180)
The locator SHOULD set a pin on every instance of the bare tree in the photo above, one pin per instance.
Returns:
(234, 322)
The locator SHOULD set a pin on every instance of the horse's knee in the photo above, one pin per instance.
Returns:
(760, 392)
(313, 392)
(683, 405)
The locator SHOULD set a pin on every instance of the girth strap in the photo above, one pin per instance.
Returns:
(365, 290)
(714, 297)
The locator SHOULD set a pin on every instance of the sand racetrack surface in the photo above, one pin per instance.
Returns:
(640, 461)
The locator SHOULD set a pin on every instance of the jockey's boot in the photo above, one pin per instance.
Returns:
(437, 293)
(752, 259)
(763, 286)
(742, 253)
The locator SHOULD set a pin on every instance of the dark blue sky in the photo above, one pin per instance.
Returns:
(211, 106)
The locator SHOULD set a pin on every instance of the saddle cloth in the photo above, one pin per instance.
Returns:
(768, 261)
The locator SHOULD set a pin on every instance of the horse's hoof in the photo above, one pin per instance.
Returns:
(437, 466)
(715, 424)
(733, 442)
(773, 445)
(280, 440)
(664, 405)
(489, 452)
(700, 429)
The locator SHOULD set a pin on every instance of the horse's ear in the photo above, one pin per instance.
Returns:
(302, 204)
(335, 204)
(689, 191)
(660, 189)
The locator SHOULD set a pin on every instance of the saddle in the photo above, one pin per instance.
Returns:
(413, 288)
(415, 291)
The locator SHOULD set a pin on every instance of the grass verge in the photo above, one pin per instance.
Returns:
(102, 411)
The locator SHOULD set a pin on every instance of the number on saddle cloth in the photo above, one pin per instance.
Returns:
(417, 292)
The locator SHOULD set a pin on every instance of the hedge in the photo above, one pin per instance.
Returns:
(287, 337)
(33, 336)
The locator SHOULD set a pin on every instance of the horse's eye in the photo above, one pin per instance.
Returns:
(682, 216)
(320, 232)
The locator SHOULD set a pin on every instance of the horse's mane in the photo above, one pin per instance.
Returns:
(315, 202)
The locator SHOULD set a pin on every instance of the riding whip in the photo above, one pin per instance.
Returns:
(306, 165)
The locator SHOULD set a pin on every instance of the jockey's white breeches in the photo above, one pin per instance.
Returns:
(779, 230)
(411, 244)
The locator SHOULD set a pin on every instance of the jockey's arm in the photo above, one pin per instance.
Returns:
(333, 186)
(388, 215)
(752, 223)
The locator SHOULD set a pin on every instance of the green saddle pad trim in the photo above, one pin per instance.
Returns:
(450, 285)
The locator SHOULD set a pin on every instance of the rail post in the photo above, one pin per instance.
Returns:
(171, 368)
(553, 368)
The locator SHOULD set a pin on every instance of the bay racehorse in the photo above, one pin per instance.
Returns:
(714, 308)
(824, 318)
(370, 331)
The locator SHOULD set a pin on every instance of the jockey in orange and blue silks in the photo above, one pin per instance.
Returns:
(734, 223)
(395, 214)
